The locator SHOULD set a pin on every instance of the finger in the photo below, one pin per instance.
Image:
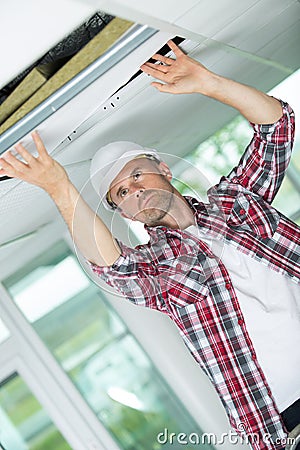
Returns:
(176, 50)
(6, 168)
(24, 153)
(2, 164)
(168, 88)
(3, 173)
(39, 144)
(159, 67)
(154, 73)
(14, 162)
(163, 59)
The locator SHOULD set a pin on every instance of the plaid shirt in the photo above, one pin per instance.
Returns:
(178, 274)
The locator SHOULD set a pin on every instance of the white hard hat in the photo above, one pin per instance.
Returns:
(109, 160)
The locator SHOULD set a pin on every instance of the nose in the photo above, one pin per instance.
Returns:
(139, 192)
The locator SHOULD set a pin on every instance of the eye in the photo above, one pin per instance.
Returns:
(137, 175)
(123, 192)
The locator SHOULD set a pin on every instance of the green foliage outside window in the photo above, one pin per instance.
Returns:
(221, 152)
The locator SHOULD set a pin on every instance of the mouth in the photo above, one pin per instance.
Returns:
(146, 201)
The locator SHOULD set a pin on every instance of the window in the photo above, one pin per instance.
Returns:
(25, 425)
(95, 348)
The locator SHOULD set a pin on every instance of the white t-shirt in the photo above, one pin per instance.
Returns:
(270, 303)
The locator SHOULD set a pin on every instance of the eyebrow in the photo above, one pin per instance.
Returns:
(130, 175)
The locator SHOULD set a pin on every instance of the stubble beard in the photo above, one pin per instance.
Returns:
(164, 199)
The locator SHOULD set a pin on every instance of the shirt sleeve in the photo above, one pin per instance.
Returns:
(264, 162)
(134, 276)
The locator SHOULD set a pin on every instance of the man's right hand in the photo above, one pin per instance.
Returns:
(184, 75)
(90, 234)
(42, 171)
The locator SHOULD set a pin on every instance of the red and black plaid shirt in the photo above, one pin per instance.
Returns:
(178, 274)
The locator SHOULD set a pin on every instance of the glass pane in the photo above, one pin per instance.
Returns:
(287, 199)
(4, 333)
(24, 423)
(213, 158)
(296, 156)
(95, 348)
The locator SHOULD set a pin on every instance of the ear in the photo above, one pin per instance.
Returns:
(165, 170)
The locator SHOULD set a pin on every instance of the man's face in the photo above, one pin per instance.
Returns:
(142, 191)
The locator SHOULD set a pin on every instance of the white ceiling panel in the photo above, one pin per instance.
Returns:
(167, 10)
(264, 22)
(208, 18)
(25, 208)
(284, 48)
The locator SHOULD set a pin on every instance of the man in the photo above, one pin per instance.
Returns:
(227, 272)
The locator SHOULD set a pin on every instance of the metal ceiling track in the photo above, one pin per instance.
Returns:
(118, 51)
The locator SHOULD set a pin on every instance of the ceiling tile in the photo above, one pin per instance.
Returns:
(165, 11)
(207, 17)
(284, 48)
(249, 26)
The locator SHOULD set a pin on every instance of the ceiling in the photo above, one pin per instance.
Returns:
(255, 42)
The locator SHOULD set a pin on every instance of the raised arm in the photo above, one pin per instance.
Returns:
(186, 76)
(263, 164)
(89, 233)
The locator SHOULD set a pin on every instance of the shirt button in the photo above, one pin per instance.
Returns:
(253, 355)
(242, 212)
(178, 266)
(240, 321)
(228, 286)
